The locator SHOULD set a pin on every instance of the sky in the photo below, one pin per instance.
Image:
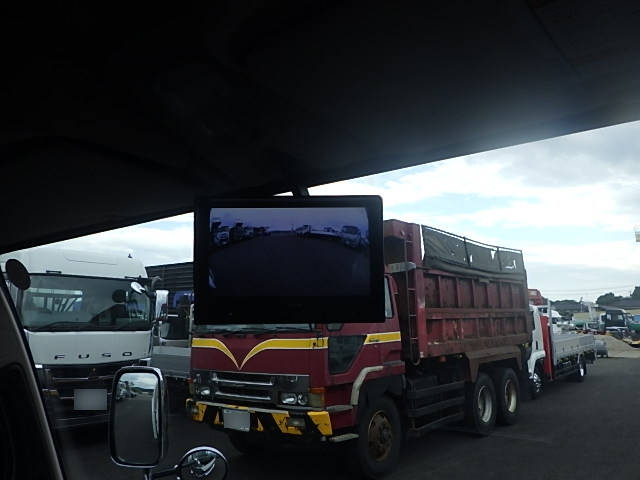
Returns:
(570, 203)
(292, 218)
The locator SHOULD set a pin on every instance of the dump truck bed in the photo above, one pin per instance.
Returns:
(460, 297)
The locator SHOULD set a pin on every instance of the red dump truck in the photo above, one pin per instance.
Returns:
(454, 348)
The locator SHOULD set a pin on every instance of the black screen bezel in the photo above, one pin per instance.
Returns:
(248, 309)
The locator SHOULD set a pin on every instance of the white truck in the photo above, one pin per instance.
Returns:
(173, 357)
(555, 353)
(84, 316)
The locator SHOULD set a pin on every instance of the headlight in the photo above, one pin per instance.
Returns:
(288, 398)
(303, 398)
(203, 391)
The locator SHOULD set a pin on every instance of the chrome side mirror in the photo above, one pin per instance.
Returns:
(138, 417)
(200, 462)
(161, 305)
(136, 287)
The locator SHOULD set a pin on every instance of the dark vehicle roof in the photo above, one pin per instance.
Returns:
(112, 116)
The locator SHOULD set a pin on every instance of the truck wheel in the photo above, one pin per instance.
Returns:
(508, 396)
(481, 405)
(245, 443)
(581, 371)
(537, 382)
(377, 448)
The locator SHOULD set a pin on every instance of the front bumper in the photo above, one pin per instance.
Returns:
(63, 415)
(312, 424)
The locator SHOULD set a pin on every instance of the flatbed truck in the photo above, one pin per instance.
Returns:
(556, 354)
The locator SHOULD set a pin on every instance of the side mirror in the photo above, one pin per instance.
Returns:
(17, 274)
(136, 287)
(163, 330)
(138, 417)
(162, 303)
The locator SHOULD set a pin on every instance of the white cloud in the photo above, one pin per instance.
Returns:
(588, 182)
(601, 203)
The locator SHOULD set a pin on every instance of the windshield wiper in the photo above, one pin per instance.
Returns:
(56, 325)
(139, 325)
(243, 331)
(285, 328)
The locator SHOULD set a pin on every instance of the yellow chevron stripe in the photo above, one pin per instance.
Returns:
(382, 337)
(271, 344)
(286, 344)
(215, 344)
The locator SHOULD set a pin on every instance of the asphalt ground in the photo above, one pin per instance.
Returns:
(265, 265)
(575, 430)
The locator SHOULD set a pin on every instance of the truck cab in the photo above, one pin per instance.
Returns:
(83, 320)
(292, 379)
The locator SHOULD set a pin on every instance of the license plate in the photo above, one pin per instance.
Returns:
(90, 399)
(236, 419)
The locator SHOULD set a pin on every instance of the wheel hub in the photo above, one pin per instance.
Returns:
(485, 405)
(510, 396)
(380, 436)
(537, 382)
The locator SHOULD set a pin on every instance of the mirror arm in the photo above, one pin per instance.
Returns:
(164, 473)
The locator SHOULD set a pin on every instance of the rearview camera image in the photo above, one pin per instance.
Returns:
(320, 251)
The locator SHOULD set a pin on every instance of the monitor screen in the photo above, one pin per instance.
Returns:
(280, 260)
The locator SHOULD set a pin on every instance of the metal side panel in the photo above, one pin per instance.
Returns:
(479, 357)
(570, 344)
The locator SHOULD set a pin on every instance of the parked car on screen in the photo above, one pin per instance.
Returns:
(303, 230)
(351, 236)
(221, 236)
(236, 233)
(324, 232)
(248, 232)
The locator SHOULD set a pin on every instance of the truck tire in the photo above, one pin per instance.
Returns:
(537, 382)
(377, 448)
(480, 405)
(581, 371)
(508, 396)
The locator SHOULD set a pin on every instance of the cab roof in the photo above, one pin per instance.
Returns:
(65, 261)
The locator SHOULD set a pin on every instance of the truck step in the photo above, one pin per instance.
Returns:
(434, 407)
(565, 372)
(441, 422)
(417, 393)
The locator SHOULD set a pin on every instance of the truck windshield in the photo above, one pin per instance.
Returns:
(254, 328)
(65, 303)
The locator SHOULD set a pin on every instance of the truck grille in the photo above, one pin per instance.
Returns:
(66, 379)
(257, 388)
(243, 386)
